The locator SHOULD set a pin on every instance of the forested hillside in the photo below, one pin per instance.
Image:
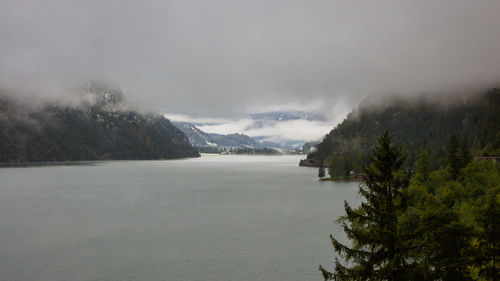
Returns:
(418, 123)
(96, 130)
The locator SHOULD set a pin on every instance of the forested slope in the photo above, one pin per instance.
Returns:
(92, 131)
(418, 123)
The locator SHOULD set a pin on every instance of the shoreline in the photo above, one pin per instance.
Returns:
(340, 180)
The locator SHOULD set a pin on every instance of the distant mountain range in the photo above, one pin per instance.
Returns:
(205, 142)
(256, 122)
(287, 116)
(215, 142)
(198, 138)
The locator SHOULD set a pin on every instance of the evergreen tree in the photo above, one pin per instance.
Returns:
(458, 155)
(465, 154)
(321, 170)
(347, 166)
(423, 167)
(443, 253)
(378, 251)
(489, 137)
(488, 249)
(453, 157)
(332, 167)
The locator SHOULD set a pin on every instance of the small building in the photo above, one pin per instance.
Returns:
(495, 159)
(358, 177)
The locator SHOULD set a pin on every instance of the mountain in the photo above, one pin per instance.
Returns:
(309, 147)
(94, 130)
(196, 137)
(287, 145)
(417, 123)
(266, 129)
(200, 139)
(286, 116)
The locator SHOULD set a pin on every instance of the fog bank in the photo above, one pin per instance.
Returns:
(223, 57)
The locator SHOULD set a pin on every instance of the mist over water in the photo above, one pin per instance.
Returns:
(212, 218)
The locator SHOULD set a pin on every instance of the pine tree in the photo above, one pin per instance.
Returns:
(347, 166)
(378, 251)
(488, 250)
(465, 154)
(321, 170)
(332, 167)
(453, 157)
(443, 253)
(423, 168)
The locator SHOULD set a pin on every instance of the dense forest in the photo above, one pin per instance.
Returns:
(97, 129)
(430, 190)
(418, 123)
(441, 224)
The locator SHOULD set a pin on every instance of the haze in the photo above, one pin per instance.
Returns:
(220, 58)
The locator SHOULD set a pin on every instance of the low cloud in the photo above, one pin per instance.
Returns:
(301, 130)
(196, 120)
(225, 57)
(298, 130)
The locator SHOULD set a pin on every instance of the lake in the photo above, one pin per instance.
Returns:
(210, 218)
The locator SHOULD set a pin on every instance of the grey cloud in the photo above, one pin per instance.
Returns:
(223, 56)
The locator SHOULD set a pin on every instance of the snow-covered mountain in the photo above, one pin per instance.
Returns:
(283, 130)
(287, 116)
(198, 138)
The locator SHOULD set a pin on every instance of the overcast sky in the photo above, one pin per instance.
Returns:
(221, 57)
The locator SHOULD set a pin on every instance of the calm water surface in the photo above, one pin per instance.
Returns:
(211, 218)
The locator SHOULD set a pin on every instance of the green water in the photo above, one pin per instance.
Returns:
(210, 218)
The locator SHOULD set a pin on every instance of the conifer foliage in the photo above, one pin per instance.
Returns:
(423, 166)
(458, 155)
(453, 156)
(488, 249)
(321, 170)
(378, 251)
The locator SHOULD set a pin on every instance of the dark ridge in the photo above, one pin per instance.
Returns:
(415, 123)
(96, 131)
